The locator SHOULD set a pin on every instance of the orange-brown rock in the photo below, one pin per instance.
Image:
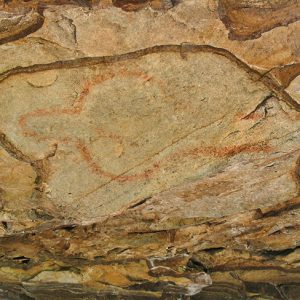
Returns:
(248, 19)
(149, 149)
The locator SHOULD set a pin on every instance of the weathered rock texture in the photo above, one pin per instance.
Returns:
(150, 149)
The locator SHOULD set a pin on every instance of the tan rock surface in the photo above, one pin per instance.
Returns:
(149, 149)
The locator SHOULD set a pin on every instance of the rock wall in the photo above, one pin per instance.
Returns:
(150, 149)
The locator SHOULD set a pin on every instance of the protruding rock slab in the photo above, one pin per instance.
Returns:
(248, 19)
(124, 131)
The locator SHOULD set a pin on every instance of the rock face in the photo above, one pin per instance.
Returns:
(150, 149)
